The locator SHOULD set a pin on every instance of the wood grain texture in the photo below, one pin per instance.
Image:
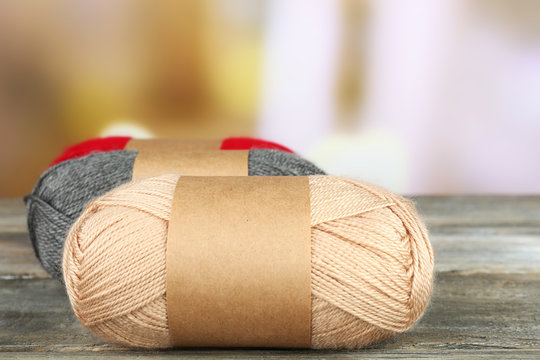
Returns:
(486, 301)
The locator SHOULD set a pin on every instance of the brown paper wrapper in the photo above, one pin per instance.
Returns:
(173, 145)
(151, 162)
(239, 262)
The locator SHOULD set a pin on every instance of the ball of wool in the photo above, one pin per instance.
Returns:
(371, 269)
(112, 143)
(63, 191)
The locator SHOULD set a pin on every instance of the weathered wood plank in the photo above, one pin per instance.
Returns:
(490, 234)
(480, 210)
(17, 259)
(468, 311)
(483, 234)
(486, 300)
(252, 354)
(12, 215)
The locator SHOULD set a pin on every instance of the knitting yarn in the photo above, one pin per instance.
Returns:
(63, 191)
(112, 143)
(371, 263)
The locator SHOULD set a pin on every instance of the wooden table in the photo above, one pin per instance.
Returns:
(486, 300)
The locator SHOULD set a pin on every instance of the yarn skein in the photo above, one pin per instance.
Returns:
(63, 191)
(371, 270)
(113, 143)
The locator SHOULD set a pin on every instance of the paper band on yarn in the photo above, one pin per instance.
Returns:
(173, 145)
(239, 262)
(150, 162)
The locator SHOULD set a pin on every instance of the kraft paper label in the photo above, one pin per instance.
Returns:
(150, 162)
(239, 262)
(173, 145)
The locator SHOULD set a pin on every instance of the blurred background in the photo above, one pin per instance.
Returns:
(419, 96)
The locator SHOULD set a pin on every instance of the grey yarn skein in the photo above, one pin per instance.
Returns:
(62, 192)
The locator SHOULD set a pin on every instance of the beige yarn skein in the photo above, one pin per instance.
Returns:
(371, 276)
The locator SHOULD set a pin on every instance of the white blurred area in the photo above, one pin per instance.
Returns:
(451, 101)
(126, 127)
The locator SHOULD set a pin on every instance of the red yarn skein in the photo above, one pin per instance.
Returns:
(113, 143)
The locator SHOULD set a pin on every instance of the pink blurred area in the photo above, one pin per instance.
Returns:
(419, 96)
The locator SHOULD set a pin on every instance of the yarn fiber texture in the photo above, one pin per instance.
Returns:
(113, 143)
(63, 191)
(371, 275)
